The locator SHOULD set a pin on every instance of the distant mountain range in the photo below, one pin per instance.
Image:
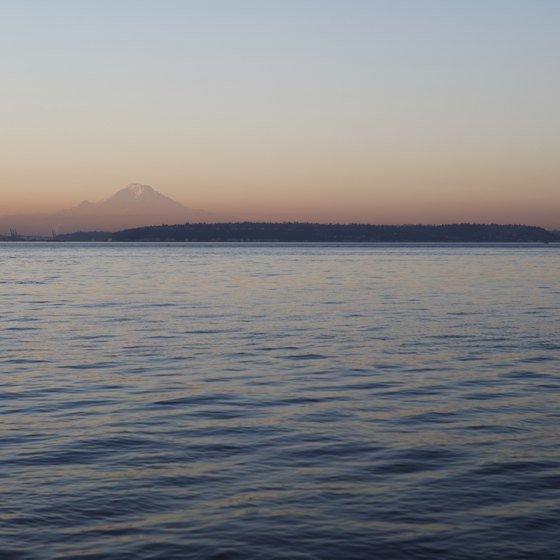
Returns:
(139, 213)
(133, 206)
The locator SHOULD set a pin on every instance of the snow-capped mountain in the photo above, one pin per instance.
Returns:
(133, 199)
(133, 206)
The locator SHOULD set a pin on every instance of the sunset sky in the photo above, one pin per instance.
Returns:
(386, 111)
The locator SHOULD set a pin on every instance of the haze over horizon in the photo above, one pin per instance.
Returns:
(377, 112)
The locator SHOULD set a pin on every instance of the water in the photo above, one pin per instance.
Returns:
(279, 402)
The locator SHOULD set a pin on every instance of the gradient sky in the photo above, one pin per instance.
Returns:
(350, 110)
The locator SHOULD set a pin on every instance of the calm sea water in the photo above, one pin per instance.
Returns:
(279, 402)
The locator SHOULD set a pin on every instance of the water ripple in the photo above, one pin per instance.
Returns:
(233, 401)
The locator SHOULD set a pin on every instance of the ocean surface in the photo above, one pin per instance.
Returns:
(253, 401)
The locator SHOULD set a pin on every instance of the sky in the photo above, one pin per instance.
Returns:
(379, 111)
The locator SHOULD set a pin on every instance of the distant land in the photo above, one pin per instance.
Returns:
(133, 206)
(137, 212)
(312, 232)
(301, 232)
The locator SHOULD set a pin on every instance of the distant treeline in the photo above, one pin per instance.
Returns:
(85, 236)
(311, 232)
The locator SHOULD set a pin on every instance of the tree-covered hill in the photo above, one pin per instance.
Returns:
(311, 232)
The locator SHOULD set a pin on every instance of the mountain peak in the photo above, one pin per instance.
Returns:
(137, 198)
(137, 190)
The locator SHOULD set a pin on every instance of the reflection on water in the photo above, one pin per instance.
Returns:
(260, 401)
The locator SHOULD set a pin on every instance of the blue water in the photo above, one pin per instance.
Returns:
(279, 402)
